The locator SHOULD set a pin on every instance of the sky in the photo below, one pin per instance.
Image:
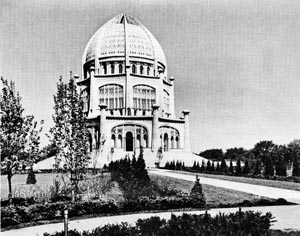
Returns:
(236, 63)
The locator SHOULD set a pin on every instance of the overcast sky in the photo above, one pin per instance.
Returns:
(236, 63)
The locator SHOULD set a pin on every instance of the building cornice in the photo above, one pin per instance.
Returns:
(140, 118)
(168, 120)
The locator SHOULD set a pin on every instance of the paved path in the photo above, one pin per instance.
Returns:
(271, 192)
(287, 216)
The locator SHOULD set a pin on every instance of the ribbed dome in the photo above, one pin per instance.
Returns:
(109, 41)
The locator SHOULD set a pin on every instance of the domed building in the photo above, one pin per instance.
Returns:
(129, 97)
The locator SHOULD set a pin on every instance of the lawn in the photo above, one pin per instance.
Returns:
(214, 195)
(93, 186)
(263, 182)
(21, 189)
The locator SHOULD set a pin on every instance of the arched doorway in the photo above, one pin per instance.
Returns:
(166, 145)
(129, 142)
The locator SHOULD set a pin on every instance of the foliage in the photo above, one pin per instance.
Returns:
(31, 179)
(269, 169)
(24, 213)
(231, 167)
(178, 165)
(246, 169)
(196, 192)
(69, 134)
(296, 169)
(47, 151)
(235, 153)
(223, 167)
(238, 223)
(131, 176)
(280, 167)
(213, 154)
(59, 190)
(19, 134)
(257, 169)
(238, 170)
(263, 149)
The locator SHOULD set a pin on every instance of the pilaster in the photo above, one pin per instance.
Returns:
(155, 131)
(187, 147)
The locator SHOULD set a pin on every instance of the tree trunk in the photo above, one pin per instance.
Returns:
(9, 175)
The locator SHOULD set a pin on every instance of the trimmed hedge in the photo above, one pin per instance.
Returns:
(14, 215)
(239, 223)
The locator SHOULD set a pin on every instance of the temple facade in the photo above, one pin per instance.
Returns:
(128, 96)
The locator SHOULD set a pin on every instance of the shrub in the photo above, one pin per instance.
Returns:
(31, 179)
(196, 194)
(239, 223)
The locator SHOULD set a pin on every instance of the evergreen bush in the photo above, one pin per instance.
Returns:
(31, 179)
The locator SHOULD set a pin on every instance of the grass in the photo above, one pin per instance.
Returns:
(92, 187)
(263, 182)
(21, 189)
(214, 195)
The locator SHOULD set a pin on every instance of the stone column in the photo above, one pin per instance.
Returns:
(93, 93)
(155, 133)
(103, 135)
(187, 147)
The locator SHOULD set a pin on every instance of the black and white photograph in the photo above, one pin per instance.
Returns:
(127, 117)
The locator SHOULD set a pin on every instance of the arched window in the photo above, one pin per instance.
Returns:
(166, 133)
(111, 95)
(172, 142)
(143, 97)
(112, 68)
(145, 143)
(141, 69)
(104, 68)
(85, 100)
(120, 69)
(133, 69)
(166, 101)
(148, 70)
(113, 141)
(177, 142)
(138, 136)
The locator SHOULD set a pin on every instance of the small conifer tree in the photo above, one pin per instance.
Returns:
(197, 194)
(223, 166)
(246, 169)
(31, 177)
(238, 168)
(231, 167)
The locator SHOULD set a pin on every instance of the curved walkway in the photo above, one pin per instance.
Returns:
(265, 191)
(287, 216)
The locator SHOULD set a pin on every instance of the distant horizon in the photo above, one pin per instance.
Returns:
(238, 60)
